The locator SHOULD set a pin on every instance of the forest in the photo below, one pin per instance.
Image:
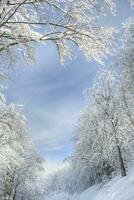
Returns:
(103, 142)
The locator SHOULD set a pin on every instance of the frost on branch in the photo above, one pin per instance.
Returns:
(24, 23)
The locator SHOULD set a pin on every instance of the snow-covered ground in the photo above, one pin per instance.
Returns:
(116, 189)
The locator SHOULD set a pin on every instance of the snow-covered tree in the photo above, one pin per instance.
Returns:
(21, 168)
(23, 23)
(113, 124)
(126, 66)
(29, 180)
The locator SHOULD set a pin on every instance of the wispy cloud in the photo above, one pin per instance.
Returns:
(53, 97)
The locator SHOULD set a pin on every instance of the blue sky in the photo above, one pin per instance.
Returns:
(52, 94)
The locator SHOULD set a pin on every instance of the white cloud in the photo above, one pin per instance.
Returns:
(57, 132)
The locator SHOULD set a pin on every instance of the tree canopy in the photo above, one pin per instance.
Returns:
(24, 23)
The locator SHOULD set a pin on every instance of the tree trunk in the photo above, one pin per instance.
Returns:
(122, 165)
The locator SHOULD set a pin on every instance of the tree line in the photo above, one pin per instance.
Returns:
(104, 138)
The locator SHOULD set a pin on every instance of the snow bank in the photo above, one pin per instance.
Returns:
(117, 189)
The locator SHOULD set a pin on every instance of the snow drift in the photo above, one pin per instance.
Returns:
(117, 189)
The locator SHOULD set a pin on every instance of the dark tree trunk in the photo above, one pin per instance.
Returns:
(122, 164)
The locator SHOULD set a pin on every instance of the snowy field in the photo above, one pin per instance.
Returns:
(117, 189)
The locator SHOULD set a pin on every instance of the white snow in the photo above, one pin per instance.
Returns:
(117, 189)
